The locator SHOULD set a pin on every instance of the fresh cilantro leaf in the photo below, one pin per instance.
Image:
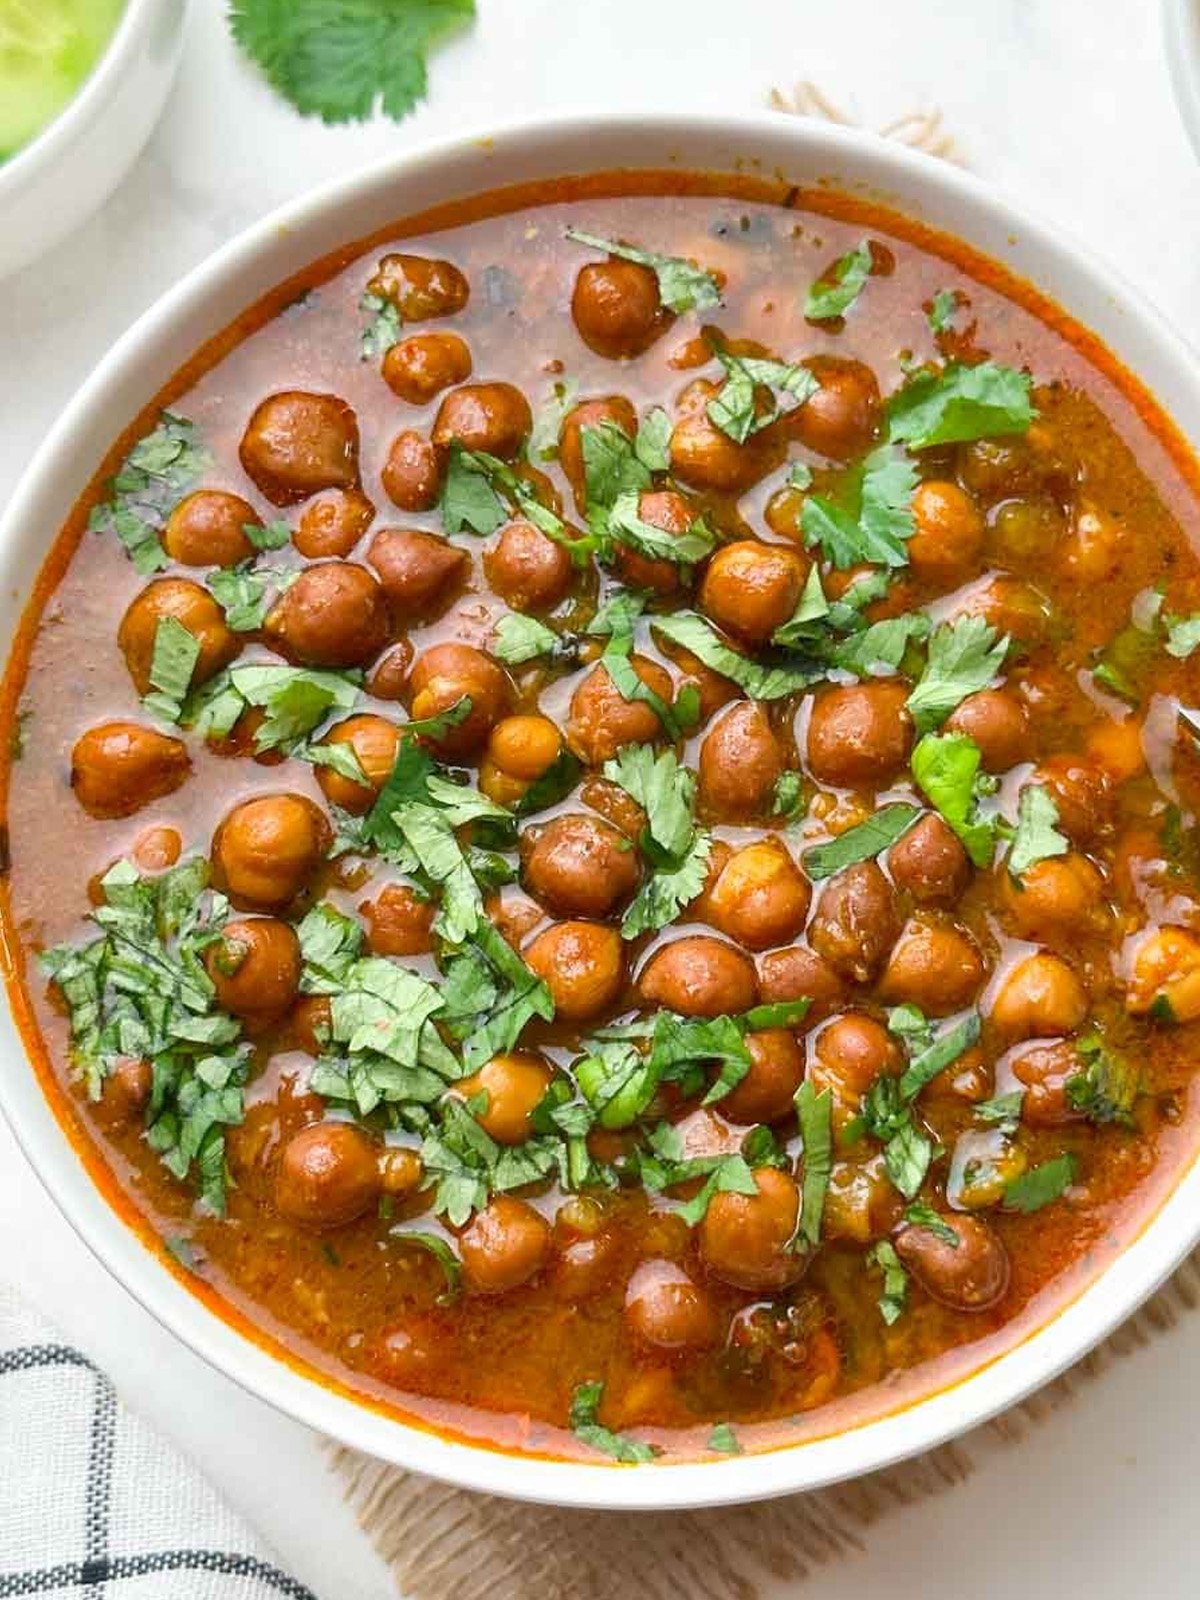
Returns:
(906, 1156)
(548, 421)
(150, 483)
(942, 311)
(559, 778)
(724, 1441)
(438, 723)
(242, 596)
(490, 995)
(440, 1250)
(295, 701)
(519, 639)
(1183, 635)
(911, 1026)
(663, 788)
(330, 943)
(964, 656)
(340, 60)
(895, 1280)
(172, 663)
(731, 1174)
(776, 1014)
(667, 890)
(630, 686)
(1002, 1111)
(272, 535)
(946, 768)
(861, 843)
(653, 441)
(469, 502)
(919, 1215)
(939, 1054)
(617, 616)
(1040, 1185)
(875, 521)
(1036, 838)
(836, 290)
(814, 1113)
(626, 526)
(682, 286)
(790, 800)
(383, 328)
(735, 407)
(759, 680)
(960, 403)
(882, 645)
(1107, 1084)
(611, 464)
(585, 1407)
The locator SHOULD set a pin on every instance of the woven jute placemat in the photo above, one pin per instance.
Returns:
(443, 1543)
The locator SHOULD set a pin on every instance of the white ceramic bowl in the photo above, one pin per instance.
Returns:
(209, 297)
(1181, 37)
(60, 177)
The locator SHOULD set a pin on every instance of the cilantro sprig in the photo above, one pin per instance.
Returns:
(150, 483)
(682, 286)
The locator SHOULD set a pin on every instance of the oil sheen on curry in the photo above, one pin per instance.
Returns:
(601, 817)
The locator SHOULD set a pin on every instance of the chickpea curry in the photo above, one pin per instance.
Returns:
(601, 816)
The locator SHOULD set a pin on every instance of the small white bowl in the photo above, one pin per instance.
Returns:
(805, 152)
(1181, 35)
(58, 179)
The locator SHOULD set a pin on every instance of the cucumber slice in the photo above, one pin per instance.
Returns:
(47, 50)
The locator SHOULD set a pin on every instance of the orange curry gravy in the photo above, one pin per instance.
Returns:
(1062, 532)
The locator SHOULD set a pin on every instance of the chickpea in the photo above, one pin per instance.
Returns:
(1095, 547)
(930, 863)
(208, 529)
(503, 1246)
(948, 542)
(255, 968)
(446, 673)
(579, 866)
(401, 1171)
(1042, 995)
(616, 307)
(420, 287)
(740, 763)
(191, 606)
(614, 409)
(856, 922)
(587, 1253)
(157, 849)
(861, 1204)
(767, 1092)
(614, 805)
(388, 678)
(520, 750)
(375, 742)
(333, 615)
(983, 1162)
(513, 915)
(310, 1023)
(996, 469)
(119, 767)
(125, 1092)
(1055, 898)
(714, 690)
(699, 976)
(413, 471)
(747, 1240)
(514, 1086)
(968, 1276)
(601, 719)
(1083, 793)
(799, 973)
(666, 1310)
(934, 965)
(751, 589)
(419, 572)
(671, 512)
(332, 523)
(1164, 974)
(583, 966)
(399, 922)
(1010, 605)
(1115, 745)
(420, 367)
(851, 1051)
(493, 417)
(297, 443)
(267, 848)
(999, 725)
(1045, 1070)
(859, 736)
(529, 570)
(328, 1175)
(760, 897)
(1026, 530)
(702, 457)
(842, 418)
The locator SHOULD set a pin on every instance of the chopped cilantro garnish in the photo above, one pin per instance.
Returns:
(1036, 837)
(881, 646)
(735, 408)
(172, 663)
(440, 1250)
(469, 503)
(548, 421)
(861, 843)
(814, 1114)
(1183, 635)
(946, 768)
(919, 1215)
(585, 1407)
(942, 311)
(1107, 1084)
(760, 680)
(295, 700)
(625, 525)
(964, 656)
(268, 535)
(960, 403)
(724, 1441)
(682, 286)
(895, 1280)
(1003, 1111)
(938, 1054)
(519, 639)
(1040, 1185)
(383, 328)
(341, 59)
(153, 478)
(871, 520)
(836, 290)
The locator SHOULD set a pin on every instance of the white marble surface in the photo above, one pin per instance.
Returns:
(1067, 104)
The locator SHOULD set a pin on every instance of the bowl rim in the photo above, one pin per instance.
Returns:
(53, 137)
(1181, 38)
(1166, 1235)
